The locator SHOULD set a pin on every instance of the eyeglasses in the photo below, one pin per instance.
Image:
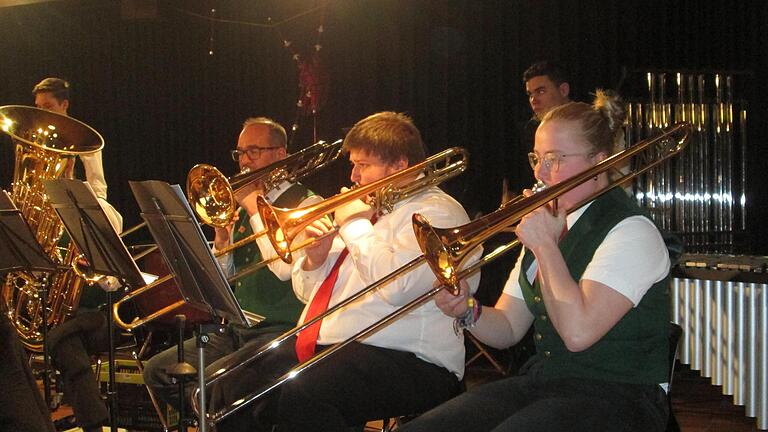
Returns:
(551, 160)
(252, 152)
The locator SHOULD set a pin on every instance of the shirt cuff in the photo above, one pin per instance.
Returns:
(256, 225)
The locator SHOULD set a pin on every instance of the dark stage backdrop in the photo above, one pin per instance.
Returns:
(142, 74)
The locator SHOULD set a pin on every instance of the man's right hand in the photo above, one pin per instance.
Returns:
(223, 235)
(317, 252)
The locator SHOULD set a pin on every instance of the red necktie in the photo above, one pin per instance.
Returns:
(307, 338)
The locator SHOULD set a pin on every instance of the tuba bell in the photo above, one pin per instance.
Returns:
(45, 143)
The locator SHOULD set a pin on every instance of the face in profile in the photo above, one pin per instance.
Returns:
(544, 94)
(367, 168)
(46, 101)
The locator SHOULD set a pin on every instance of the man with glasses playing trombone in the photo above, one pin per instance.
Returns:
(266, 292)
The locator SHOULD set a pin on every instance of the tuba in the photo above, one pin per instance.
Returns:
(45, 143)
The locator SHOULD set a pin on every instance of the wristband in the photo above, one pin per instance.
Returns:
(469, 318)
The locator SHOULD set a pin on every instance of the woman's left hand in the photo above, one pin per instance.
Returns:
(540, 228)
(453, 305)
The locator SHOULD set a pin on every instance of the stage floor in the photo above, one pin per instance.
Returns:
(697, 405)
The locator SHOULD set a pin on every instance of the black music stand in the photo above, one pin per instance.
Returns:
(19, 250)
(199, 277)
(97, 240)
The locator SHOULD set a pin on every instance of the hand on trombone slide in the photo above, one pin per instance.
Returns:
(453, 305)
(359, 208)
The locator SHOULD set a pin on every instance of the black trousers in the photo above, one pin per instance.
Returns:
(360, 383)
(356, 384)
(21, 405)
(71, 345)
(531, 403)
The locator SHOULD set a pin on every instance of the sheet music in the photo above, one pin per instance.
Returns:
(200, 279)
(91, 229)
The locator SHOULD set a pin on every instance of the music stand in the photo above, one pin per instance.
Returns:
(96, 238)
(199, 277)
(19, 250)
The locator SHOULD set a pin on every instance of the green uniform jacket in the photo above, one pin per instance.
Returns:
(262, 292)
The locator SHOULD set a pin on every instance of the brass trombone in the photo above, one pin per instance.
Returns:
(283, 225)
(212, 195)
(447, 249)
(181, 302)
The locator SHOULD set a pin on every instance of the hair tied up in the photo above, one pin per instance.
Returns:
(608, 103)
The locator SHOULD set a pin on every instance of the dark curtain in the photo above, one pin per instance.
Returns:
(142, 74)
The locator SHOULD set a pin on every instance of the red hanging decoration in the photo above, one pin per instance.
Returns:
(313, 78)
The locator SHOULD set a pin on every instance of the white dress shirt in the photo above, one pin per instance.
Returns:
(375, 251)
(94, 173)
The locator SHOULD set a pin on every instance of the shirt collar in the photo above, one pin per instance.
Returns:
(574, 216)
(278, 190)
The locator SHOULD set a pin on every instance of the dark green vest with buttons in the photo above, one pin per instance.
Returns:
(262, 292)
(635, 350)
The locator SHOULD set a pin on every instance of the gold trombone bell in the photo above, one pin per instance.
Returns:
(212, 195)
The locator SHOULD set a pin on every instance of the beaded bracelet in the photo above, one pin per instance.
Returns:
(469, 318)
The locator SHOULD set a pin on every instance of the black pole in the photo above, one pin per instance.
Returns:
(181, 321)
(43, 292)
(111, 387)
(181, 372)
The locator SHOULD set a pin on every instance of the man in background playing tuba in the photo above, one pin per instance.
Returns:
(73, 342)
(52, 94)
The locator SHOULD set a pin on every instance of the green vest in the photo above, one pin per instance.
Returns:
(261, 292)
(636, 349)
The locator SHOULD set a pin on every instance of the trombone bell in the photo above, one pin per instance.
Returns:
(275, 220)
(210, 195)
(441, 253)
